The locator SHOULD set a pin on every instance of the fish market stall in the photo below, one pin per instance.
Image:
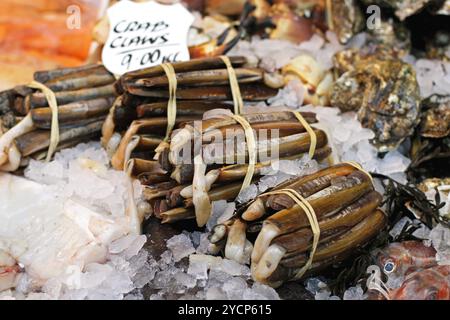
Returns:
(225, 150)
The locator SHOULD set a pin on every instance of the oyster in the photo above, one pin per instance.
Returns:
(431, 184)
(391, 38)
(345, 18)
(385, 93)
(436, 119)
(430, 151)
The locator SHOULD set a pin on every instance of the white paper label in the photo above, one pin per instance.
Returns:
(145, 34)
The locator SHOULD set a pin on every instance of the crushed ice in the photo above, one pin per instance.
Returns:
(76, 240)
(279, 172)
(185, 273)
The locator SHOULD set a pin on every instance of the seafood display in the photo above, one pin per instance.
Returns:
(201, 85)
(300, 150)
(30, 124)
(218, 168)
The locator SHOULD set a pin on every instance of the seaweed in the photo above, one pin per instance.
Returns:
(401, 200)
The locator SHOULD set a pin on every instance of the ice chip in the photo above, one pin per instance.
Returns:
(440, 238)
(185, 280)
(218, 208)
(180, 246)
(215, 294)
(261, 292)
(354, 293)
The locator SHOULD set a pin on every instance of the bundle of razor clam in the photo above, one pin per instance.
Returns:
(59, 109)
(202, 164)
(304, 225)
(201, 85)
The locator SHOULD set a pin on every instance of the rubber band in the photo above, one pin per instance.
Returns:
(171, 107)
(172, 104)
(53, 104)
(360, 168)
(312, 218)
(309, 129)
(251, 147)
(234, 84)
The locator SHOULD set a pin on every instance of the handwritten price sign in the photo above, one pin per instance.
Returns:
(145, 34)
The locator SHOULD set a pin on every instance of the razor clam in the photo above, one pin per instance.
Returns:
(84, 96)
(204, 78)
(287, 146)
(340, 249)
(39, 140)
(153, 126)
(201, 177)
(72, 113)
(345, 205)
(192, 65)
(250, 92)
(237, 172)
(64, 97)
(202, 85)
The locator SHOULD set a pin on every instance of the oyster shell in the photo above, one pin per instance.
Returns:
(433, 183)
(391, 38)
(385, 93)
(436, 119)
(430, 150)
(346, 19)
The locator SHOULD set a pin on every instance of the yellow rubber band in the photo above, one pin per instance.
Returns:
(234, 84)
(360, 168)
(52, 102)
(312, 134)
(171, 107)
(312, 218)
(172, 104)
(251, 147)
